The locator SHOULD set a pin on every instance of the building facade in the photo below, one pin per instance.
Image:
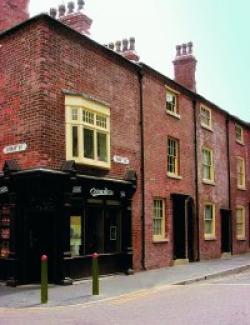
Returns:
(100, 153)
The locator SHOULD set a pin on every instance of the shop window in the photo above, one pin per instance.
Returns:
(241, 175)
(173, 157)
(209, 221)
(206, 117)
(75, 235)
(4, 231)
(239, 134)
(240, 223)
(207, 166)
(102, 229)
(158, 219)
(87, 132)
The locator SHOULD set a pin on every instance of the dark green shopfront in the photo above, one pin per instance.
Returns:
(66, 216)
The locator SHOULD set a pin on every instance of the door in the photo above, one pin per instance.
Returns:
(226, 231)
(40, 241)
(184, 227)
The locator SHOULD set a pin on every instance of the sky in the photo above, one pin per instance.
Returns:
(219, 30)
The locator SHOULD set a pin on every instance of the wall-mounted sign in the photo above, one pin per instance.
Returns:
(3, 189)
(121, 160)
(77, 189)
(15, 148)
(98, 192)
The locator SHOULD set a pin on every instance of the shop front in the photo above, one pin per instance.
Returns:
(66, 216)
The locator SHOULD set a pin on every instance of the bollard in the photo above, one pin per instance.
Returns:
(44, 279)
(95, 275)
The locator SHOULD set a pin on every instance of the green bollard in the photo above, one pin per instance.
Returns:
(44, 279)
(95, 275)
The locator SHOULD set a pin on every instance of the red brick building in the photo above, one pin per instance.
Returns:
(101, 153)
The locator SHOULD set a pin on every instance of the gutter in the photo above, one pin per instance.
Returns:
(140, 77)
(197, 198)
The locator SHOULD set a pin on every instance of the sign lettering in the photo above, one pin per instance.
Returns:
(98, 192)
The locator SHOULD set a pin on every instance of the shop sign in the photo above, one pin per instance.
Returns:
(121, 160)
(98, 192)
(3, 189)
(15, 148)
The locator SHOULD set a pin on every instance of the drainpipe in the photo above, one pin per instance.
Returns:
(196, 160)
(140, 75)
(229, 179)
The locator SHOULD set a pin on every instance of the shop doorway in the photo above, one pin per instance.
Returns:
(40, 241)
(226, 234)
(185, 234)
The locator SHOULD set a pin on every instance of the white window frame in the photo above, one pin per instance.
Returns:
(176, 157)
(210, 166)
(242, 234)
(81, 104)
(158, 236)
(175, 111)
(209, 236)
(241, 173)
(202, 118)
(239, 134)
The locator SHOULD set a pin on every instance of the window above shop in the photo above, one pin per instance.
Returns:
(241, 173)
(173, 161)
(87, 132)
(208, 169)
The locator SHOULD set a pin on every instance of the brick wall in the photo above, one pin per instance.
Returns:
(12, 12)
(158, 127)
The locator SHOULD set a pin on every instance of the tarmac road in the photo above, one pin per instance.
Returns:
(216, 302)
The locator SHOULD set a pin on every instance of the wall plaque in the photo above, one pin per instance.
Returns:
(15, 148)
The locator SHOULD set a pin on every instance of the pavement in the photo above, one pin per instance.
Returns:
(28, 296)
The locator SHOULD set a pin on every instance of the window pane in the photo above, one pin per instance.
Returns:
(88, 140)
(75, 235)
(101, 146)
(171, 102)
(75, 141)
(101, 121)
(88, 117)
(74, 114)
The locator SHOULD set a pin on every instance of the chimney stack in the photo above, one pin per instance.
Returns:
(13, 12)
(185, 66)
(126, 48)
(74, 18)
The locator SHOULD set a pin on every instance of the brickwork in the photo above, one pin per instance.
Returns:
(12, 12)
(239, 197)
(158, 126)
(33, 109)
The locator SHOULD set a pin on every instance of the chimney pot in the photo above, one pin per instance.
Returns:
(71, 7)
(81, 4)
(184, 49)
(190, 47)
(132, 43)
(178, 50)
(111, 46)
(118, 46)
(124, 45)
(62, 10)
(52, 12)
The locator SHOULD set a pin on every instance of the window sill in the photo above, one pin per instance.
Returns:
(240, 142)
(208, 182)
(160, 241)
(209, 128)
(241, 238)
(210, 238)
(174, 176)
(91, 163)
(177, 116)
(243, 188)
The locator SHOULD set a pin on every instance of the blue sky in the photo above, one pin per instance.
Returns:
(219, 30)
